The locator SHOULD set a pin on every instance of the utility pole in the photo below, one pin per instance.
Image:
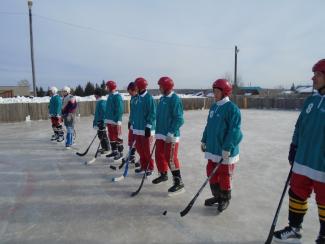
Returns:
(235, 73)
(30, 4)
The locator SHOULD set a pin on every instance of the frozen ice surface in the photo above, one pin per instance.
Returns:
(48, 195)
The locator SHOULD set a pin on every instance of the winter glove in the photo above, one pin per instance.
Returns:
(170, 138)
(147, 132)
(203, 147)
(100, 124)
(225, 155)
(129, 125)
(292, 153)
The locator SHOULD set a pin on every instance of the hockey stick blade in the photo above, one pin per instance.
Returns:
(139, 189)
(90, 161)
(187, 209)
(112, 167)
(191, 203)
(115, 179)
(85, 152)
(145, 173)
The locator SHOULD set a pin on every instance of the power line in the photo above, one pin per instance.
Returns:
(12, 13)
(122, 35)
(88, 28)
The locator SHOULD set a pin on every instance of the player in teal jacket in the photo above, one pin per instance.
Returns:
(55, 107)
(113, 119)
(98, 122)
(307, 153)
(168, 123)
(221, 138)
(144, 122)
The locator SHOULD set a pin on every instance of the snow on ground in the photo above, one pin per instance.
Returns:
(47, 194)
(46, 99)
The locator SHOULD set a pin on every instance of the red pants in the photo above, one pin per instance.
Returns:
(302, 186)
(143, 145)
(131, 138)
(114, 132)
(222, 176)
(162, 155)
(56, 121)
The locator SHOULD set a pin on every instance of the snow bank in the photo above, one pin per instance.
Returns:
(46, 99)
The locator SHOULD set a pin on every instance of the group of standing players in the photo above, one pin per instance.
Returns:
(220, 141)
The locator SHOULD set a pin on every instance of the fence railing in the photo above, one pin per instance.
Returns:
(17, 112)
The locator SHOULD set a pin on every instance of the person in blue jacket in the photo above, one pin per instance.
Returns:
(220, 140)
(113, 119)
(307, 154)
(98, 122)
(55, 107)
(169, 119)
(144, 122)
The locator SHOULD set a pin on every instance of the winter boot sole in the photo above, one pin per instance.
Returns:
(175, 193)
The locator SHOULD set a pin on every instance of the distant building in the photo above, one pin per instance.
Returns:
(13, 91)
(249, 90)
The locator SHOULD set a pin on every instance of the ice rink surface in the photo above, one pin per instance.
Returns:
(48, 195)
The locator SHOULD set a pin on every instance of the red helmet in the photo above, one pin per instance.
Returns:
(224, 85)
(111, 85)
(319, 66)
(141, 83)
(166, 83)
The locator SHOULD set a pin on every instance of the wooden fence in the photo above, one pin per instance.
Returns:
(17, 112)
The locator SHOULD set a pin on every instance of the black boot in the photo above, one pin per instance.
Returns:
(119, 154)
(114, 150)
(60, 135)
(163, 177)
(213, 201)
(224, 200)
(320, 240)
(178, 186)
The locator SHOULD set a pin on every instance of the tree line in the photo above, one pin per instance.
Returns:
(77, 91)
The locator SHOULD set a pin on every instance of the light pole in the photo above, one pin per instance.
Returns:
(235, 72)
(30, 4)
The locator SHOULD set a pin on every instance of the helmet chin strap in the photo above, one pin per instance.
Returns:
(321, 90)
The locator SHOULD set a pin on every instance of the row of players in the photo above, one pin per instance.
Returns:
(220, 141)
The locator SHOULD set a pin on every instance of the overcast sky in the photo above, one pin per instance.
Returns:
(192, 41)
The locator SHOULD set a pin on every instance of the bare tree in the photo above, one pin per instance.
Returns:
(24, 82)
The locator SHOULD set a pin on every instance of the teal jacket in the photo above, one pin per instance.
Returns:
(144, 114)
(222, 131)
(309, 136)
(100, 112)
(55, 106)
(169, 117)
(133, 103)
(114, 109)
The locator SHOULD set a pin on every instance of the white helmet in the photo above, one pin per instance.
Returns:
(66, 89)
(54, 90)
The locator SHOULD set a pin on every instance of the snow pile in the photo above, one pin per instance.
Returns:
(46, 99)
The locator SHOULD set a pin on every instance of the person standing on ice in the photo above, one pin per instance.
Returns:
(307, 154)
(144, 122)
(69, 109)
(55, 107)
(113, 119)
(98, 122)
(220, 140)
(169, 119)
(131, 137)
